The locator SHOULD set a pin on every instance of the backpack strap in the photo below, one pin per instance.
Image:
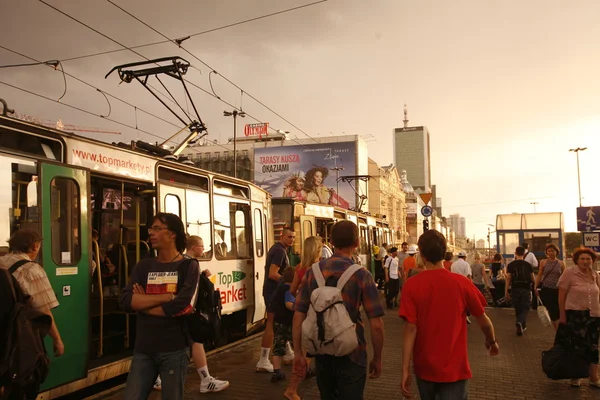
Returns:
(347, 275)
(10, 279)
(316, 269)
(18, 265)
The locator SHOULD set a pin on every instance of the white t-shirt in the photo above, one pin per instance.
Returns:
(326, 252)
(461, 267)
(382, 253)
(531, 259)
(392, 265)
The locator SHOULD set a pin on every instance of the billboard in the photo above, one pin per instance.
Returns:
(308, 172)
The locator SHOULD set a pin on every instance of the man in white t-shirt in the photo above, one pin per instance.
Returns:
(392, 279)
(529, 256)
(461, 266)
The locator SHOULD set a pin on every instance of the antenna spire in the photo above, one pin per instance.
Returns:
(405, 116)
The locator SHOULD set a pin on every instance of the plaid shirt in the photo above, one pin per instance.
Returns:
(33, 281)
(360, 290)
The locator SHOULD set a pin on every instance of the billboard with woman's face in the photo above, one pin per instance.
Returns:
(308, 172)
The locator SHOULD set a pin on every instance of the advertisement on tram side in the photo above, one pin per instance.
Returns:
(308, 172)
(233, 286)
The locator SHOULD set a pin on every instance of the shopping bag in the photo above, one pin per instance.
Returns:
(543, 314)
(562, 363)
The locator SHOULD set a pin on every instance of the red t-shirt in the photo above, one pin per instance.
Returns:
(436, 301)
(448, 265)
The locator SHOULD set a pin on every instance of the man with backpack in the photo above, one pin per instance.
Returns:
(519, 276)
(328, 324)
(34, 295)
(200, 324)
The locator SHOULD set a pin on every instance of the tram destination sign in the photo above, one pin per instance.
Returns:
(588, 219)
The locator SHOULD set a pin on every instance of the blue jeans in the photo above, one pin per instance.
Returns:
(339, 378)
(145, 367)
(443, 391)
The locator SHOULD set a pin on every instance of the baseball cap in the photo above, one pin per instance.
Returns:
(462, 254)
(412, 249)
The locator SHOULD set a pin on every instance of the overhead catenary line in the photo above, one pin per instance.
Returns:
(79, 109)
(147, 59)
(198, 33)
(178, 44)
(98, 89)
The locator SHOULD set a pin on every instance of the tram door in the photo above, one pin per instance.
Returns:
(66, 255)
(260, 247)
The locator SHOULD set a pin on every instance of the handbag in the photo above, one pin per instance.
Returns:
(543, 314)
(562, 363)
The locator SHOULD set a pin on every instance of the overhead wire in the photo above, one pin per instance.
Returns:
(79, 109)
(101, 53)
(147, 59)
(209, 67)
(98, 89)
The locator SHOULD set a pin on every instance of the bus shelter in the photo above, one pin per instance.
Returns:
(537, 230)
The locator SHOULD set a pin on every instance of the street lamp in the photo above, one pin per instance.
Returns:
(534, 203)
(577, 150)
(489, 240)
(234, 114)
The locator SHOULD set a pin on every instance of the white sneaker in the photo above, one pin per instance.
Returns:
(288, 358)
(157, 384)
(264, 365)
(213, 385)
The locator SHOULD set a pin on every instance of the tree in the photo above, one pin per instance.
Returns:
(572, 241)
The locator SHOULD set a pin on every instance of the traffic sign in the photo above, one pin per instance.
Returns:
(426, 197)
(591, 240)
(588, 218)
(426, 211)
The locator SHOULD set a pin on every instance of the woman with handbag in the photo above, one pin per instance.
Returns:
(547, 278)
(579, 305)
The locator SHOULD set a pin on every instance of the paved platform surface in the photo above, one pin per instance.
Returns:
(514, 374)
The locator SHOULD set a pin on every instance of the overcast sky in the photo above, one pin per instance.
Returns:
(505, 87)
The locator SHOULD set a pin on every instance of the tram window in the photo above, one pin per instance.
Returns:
(182, 177)
(306, 230)
(64, 204)
(198, 219)
(364, 249)
(173, 204)
(232, 229)
(258, 232)
(18, 197)
(229, 189)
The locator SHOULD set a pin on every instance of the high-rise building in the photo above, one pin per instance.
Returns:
(412, 153)
(458, 225)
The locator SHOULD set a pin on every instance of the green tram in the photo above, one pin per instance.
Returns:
(310, 219)
(65, 186)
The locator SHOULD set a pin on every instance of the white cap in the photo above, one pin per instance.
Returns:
(412, 249)
(462, 254)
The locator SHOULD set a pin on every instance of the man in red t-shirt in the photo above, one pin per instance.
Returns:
(434, 306)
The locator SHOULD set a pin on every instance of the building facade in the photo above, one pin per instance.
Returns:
(331, 170)
(412, 154)
(458, 225)
(387, 197)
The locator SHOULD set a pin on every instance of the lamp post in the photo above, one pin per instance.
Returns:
(577, 150)
(534, 204)
(489, 241)
(234, 114)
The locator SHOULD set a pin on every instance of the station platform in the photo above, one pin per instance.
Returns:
(514, 374)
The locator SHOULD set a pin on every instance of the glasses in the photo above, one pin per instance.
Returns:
(156, 228)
